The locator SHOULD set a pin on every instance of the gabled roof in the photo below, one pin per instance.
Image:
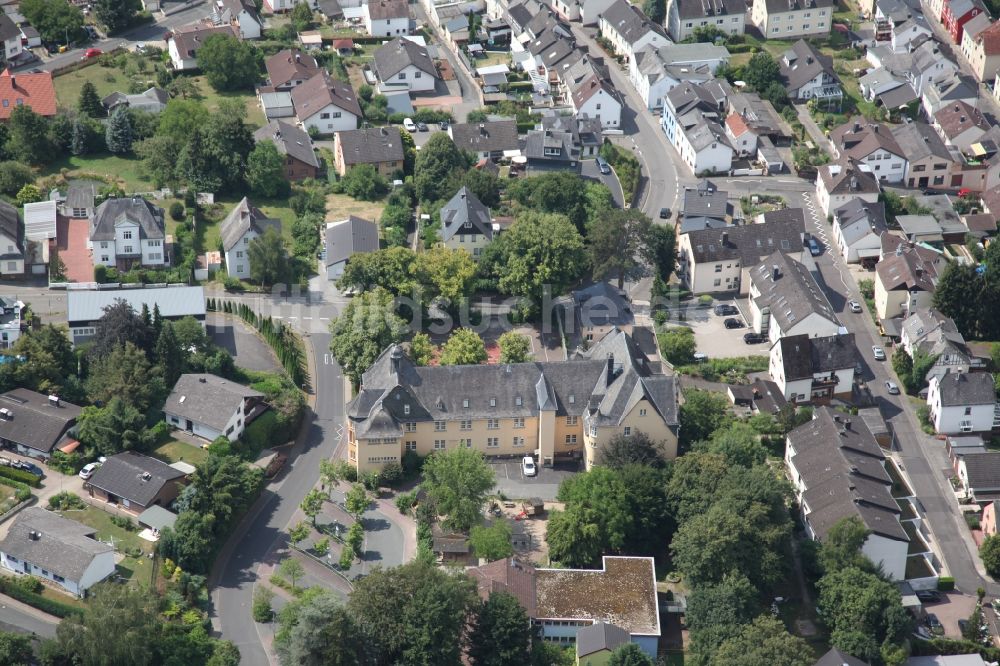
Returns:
(289, 65)
(706, 200)
(384, 10)
(918, 141)
(749, 242)
(598, 637)
(905, 269)
(154, 94)
(802, 356)
(959, 116)
(629, 21)
(8, 29)
(87, 305)
(188, 39)
(802, 63)
(133, 476)
(491, 136)
(790, 292)
(688, 9)
(242, 218)
(464, 209)
(395, 56)
(34, 90)
(858, 217)
(507, 575)
(837, 658)
(290, 140)
(12, 226)
(372, 145)
(349, 237)
(989, 38)
(59, 545)
(857, 139)
(36, 421)
(962, 389)
(848, 177)
(207, 399)
(136, 210)
(982, 469)
(320, 91)
(783, 6)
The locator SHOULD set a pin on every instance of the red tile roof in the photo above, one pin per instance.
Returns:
(990, 38)
(736, 124)
(34, 90)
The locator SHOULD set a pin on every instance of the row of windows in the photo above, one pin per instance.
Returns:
(491, 424)
(571, 399)
(491, 443)
(382, 459)
(805, 26)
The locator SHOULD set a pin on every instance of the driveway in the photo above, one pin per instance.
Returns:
(512, 482)
(71, 239)
(712, 336)
(589, 169)
(954, 606)
(248, 350)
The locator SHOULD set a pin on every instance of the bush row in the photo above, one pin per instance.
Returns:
(20, 475)
(12, 588)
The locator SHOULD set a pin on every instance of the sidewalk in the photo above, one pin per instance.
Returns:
(812, 129)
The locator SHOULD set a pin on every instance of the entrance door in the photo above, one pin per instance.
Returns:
(27, 567)
(189, 426)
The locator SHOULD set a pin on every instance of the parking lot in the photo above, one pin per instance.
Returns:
(954, 606)
(512, 482)
(714, 339)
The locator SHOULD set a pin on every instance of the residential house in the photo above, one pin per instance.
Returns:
(927, 65)
(814, 369)
(808, 74)
(979, 476)
(595, 643)
(404, 64)
(33, 424)
(838, 184)
(386, 18)
(912, 32)
(78, 200)
(838, 471)
(927, 159)
(980, 226)
(128, 231)
(758, 114)
(276, 103)
(43, 544)
(12, 245)
(590, 92)
(561, 142)
(988, 522)
(686, 16)
(960, 125)
(10, 39)
(982, 49)
(858, 226)
(872, 144)
(466, 223)
(837, 657)
(210, 407)
(741, 137)
(934, 334)
(295, 145)
(565, 603)
(486, 140)
(330, 9)
(27, 89)
(785, 300)
(719, 260)
(596, 311)
(10, 321)
(761, 397)
(382, 147)
(704, 207)
(290, 68)
(326, 105)
(656, 70)
(346, 238)
(136, 482)
(956, 13)
(692, 120)
(552, 410)
(951, 88)
(588, 12)
(962, 402)
(904, 282)
(787, 19)
(241, 14)
(84, 307)
(244, 223)
(628, 29)
(152, 100)
(887, 87)
(183, 43)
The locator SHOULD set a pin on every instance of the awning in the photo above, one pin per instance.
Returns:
(157, 517)
(70, 446)
(512, 153)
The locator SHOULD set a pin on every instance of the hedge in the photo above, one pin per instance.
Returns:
(946, 583)
(23, 491)
(20, 475)
(10, 587)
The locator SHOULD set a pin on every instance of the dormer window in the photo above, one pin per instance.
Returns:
(468, 225)
(406, 410)
(465, 403)
(493, 402)
(572, 399)
(517, 401)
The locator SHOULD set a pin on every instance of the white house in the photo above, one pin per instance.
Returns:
(591, 95)
(786, 19)
(808, 74)
(692, 120)
(785, 300)
(909, 32)
(183, 43)
(64, 552)
(858, 226)
(402, 64)
(244, 223)
(810, 369)
(586, 11)
(386, 18)
(838, 184)
(963, 402)
(241, 14)
(211, 407)
(837, 470)
(128, 231)
(346, 238)
(85, 307)
(326, 105)
(12, 250)
(628, 29)
(466, 223)
(654, 71)
(10, 36)
(686, 16)
(10, 321)
(873, 144)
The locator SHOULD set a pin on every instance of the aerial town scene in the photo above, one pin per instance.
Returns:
(499, 333)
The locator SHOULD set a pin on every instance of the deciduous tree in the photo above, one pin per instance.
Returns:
(629, 654)
(701, 414)
(864, 613)
(229, 63)
(55, 20)
(368, 325)
(493, 542)
(957, 296)
(765, 642)
(421, 349)
(514, 348)
(501, 632)
(438, 168)
(116, 15)
(266, 170)
(635, 449)
(291, 569)
(464, 347)
(28, 136)
(125, 372)
(596, 520)
(268, 258)
(125, 612)
(365, 183)
(446, 272)
(357, 500)
(458, 482)
(989, 551)
(312, 504)
(615, 241)
(317, 630)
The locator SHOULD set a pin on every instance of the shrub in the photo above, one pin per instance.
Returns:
(124, 523)
(20, 475)
(232, 284)
(946, 583)
(262, 611)
(177, 211)
(66, 500)
(405, 502)
(391, 473)
(11, 588)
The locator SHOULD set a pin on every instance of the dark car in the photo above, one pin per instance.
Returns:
(814, 248)
(664, 213)
(443, 125)
(724, 310)
(934, 623)
(753, 338)
(928, 595)
(28, 467)
(602, 164)
(733, 322)
(421, 127)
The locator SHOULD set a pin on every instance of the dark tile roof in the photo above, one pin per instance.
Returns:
(8, 29)
(290, 140)
(983, 469)
(465, 207)
(207, 399)
(381, 10)
(188, 39)
(706, 200)
(749, 242)
(802, 63)
(321, 90)
(629, 21)
(493, 136)
(289, 65)
(694, 9)
(349, 237)
(905, 269)
(330, 8)
(802, 356)
(959, 389)
(918, 141)
(507, 575)
(393, 57)
(843, 471)
(242, 218)
(782, 6)
(59, 545)
(599, 636)
(371, 146)
(134, 477)
(862, 214)
(135, 209)
(36, 422)
(859, 138)
(848, 177)
(12, 226)
(837, 658)
(789, 290)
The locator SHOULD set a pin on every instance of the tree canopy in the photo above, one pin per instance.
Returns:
(616, 240)
(458, 481)
(229, 63)
(501, 632)
(864, 613)
(116, 15)
(268, 258)
(439, 167)
(368, 325)
(514, 348)
(464, 347)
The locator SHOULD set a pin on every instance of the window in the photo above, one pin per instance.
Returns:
(127, 235)
(968, 411)
(104, 245)
(406, 410)
(246, 241)
(628, 431)
(104, 259)
(598, 107)
(465, 424)
(492, 442)
(519, 422)
(519, 441)
(571, 439)
(154, 243)
(775, 29)
(416, 75)
(465, 403)
(239, 254)
(467, 443)
(965, 426)
(440, 426)
(642, 412)
(438, 444)
(919, 167)
(402, 76)
(517, 401)
(239, 268)
(572, 399)
(805, 26)
(718, 268)
(571, 420)
(717, 282)
(493, 402)
(411, 446)
(493, 424)
(411, 427)
(127, 249)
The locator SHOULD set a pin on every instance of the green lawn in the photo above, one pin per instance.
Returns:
(339, 206)
(138, 570)
(177, 451)
(208, 236)
(125, 170)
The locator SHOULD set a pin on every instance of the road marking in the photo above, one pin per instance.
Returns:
(307, 317)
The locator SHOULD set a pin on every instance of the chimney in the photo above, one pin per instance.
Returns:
(34, 536)
(857, 126)
(53, 401)
(202, 380)
(775, 272)
(725, 237)
(847, 424)
(482, 129)
(395, 356)
(854, 182)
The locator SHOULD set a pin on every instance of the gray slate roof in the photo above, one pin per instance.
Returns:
(791, 296)
(133, 476)
(12, 226)
(843, 470)
(371, 146)
(863, 215)
(782, 6)
(207, 399)
(983, 469)
(599, 636)
(629, 21)
(242, 218)
(706, 200)
(349, 237)
(289, 65)
(134, 209)
(37, 423)
(290, 140)
(393, 57)
(494, 136)
(64, 547)
(802, 63)
(837, 658)
(688, 9)
(389, 9)
(465, 207)
(749, 243)
(802, 356)
(960, 389)
(8, 29)
(85, 305)
(321, 90)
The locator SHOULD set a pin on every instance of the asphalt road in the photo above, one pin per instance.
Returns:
(589, 169)
(470, 95)
(19, 621)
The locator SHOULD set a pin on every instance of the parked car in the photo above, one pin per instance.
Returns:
(699, 357)
(603, 165)
(443, 125)
(88, 470)
(854, 306)
(528, 466)
(878, 352)
(31, 468)
(664, 213)
(421, 127)
(753, 338)
(92, 53)
(859, 369)
(891, 388)
(724, 310)
(733, 322)
(935, 624)
(409, 125)
(814, 248)
(928, 595)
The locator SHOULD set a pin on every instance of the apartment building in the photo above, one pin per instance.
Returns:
(686, 16)
(785, 19)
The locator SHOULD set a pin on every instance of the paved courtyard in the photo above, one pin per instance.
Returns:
(71, 237)
(714, 339)
(512, 482)
(248, 350)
